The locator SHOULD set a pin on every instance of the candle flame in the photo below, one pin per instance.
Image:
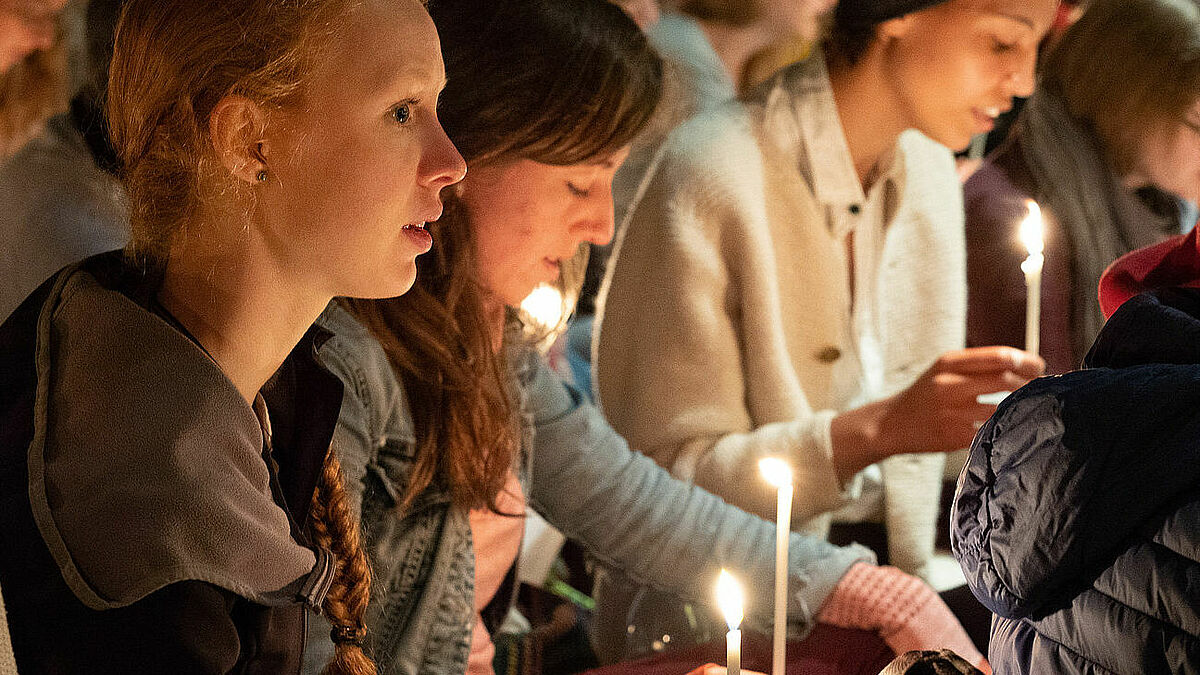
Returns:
(775, 471)
(1031, 229)
(730, 599)
(544, 305)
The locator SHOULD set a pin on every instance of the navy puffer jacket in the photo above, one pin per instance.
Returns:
(1077, 516)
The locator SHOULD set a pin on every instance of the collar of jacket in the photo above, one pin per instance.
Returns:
(1161, 326)
(132, 474)
(802, 120)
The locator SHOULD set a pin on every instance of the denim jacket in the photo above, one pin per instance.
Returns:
(578, 474)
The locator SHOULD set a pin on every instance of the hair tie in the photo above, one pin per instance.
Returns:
(346, 635)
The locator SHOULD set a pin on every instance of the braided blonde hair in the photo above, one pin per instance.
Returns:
(334, 527)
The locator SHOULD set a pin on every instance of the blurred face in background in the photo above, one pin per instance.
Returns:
(27, 26)
(1169, 158)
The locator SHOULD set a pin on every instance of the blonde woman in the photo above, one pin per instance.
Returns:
(170, 500)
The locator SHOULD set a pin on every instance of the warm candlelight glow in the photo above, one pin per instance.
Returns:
(775, 471)
(544, 305)
(1031, 229)
(730, 599)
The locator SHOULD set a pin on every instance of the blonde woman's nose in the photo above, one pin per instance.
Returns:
(442, 165)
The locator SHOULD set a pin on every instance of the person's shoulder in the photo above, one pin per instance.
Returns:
(356, 357)
(352, 353)
(713, 138)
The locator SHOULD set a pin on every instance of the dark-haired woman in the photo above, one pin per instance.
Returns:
(453, 425)
(792, 281)
(168, 500)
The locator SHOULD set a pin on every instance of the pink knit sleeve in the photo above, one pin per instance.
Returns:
(906, 612)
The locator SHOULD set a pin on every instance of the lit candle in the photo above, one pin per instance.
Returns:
(779, 474)
(730, 599)
(1031, 236)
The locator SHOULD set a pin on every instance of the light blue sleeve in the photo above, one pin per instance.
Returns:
(632, 515)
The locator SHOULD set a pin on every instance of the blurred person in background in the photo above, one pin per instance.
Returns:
(1110, 150)
(714, 50)
(60, 199)
(32, 68)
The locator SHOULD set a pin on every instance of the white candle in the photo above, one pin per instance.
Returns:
(779, 474)
(731, 599)
(733, 652)
(1031, 236)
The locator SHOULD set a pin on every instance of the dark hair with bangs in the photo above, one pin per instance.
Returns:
(554, 81)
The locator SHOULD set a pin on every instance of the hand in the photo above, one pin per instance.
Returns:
(937, 413)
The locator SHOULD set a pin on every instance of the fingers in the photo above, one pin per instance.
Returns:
(991, 359)
(956, 390)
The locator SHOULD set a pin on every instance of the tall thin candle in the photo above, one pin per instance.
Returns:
(1031, 236)
(777, 472)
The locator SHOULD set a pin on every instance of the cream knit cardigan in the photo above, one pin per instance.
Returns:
(725, 309)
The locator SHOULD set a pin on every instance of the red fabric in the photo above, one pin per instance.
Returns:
(826, 651)
(1174, 262)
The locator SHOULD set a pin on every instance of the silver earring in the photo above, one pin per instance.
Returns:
(261, 176)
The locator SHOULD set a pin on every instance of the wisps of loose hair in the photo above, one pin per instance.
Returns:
(169, 73)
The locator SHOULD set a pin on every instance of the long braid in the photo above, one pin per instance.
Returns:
(334, 526)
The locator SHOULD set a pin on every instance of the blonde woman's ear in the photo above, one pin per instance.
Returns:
(236, 129)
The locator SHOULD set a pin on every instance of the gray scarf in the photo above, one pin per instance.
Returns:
(1101, 217)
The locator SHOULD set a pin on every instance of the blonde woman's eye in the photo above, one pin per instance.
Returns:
(577, 191)
(402, 113)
